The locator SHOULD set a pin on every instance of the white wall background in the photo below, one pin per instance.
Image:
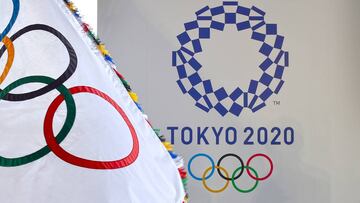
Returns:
(320, 99)
(88, 8)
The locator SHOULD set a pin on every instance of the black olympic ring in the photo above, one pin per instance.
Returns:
(241, 170)
(59, 81)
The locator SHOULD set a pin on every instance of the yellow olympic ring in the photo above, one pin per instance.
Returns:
(11, 54)
(212, 190)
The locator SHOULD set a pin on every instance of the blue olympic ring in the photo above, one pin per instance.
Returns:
(206, 156)
(16, 8)
(259, 91)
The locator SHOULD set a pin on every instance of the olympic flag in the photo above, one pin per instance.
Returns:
(71, 128)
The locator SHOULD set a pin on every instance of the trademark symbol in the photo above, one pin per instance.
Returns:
(276, 103)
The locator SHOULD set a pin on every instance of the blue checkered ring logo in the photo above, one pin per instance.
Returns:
(272, 67)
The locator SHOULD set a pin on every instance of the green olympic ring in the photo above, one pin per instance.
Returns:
(69, 121)
(242, 190)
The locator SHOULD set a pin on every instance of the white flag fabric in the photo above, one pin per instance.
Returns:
(70, 131)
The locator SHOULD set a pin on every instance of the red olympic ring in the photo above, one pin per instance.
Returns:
(271, 167)
(91, 164)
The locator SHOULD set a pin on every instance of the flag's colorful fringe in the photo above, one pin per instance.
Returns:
(101, 47)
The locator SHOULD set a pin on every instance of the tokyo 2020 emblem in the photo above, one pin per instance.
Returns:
(201, 89)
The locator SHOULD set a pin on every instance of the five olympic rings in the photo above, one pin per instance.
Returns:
(53, 143)
(224, 174)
